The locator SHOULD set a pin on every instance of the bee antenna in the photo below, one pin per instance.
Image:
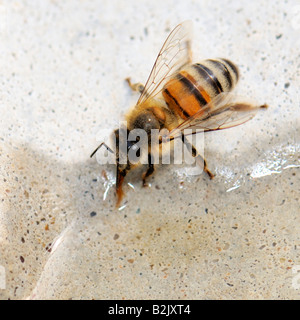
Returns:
(100, 145)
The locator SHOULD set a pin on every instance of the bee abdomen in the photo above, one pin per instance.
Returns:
(197, 84)
(220, 75)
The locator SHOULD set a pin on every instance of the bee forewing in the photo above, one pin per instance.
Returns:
(226, 110)
(174, 54)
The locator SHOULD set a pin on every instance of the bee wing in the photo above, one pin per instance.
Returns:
(174, 54)
(224, 111)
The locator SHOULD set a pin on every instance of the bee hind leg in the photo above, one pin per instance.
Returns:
(199, 159)
(135, 86)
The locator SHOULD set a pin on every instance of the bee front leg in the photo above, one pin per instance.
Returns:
(199, 159)
(121, 173)
(149, 171)
(135, 86)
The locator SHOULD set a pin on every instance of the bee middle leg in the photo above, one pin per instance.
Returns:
(199, 159)
(149, 171)
(139, 87)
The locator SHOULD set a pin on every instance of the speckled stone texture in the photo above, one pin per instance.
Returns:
(63, 65)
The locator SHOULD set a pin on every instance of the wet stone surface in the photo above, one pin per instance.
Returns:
(62, 83)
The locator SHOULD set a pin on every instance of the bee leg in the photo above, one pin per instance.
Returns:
(210, 174)
(149, 171)
(121, 173)
(135, 86)
(199, 159)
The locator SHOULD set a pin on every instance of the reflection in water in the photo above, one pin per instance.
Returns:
(274, 162)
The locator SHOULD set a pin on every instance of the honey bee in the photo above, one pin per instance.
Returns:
(180, 95)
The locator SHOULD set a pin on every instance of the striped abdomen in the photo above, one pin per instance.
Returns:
(197, 84)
